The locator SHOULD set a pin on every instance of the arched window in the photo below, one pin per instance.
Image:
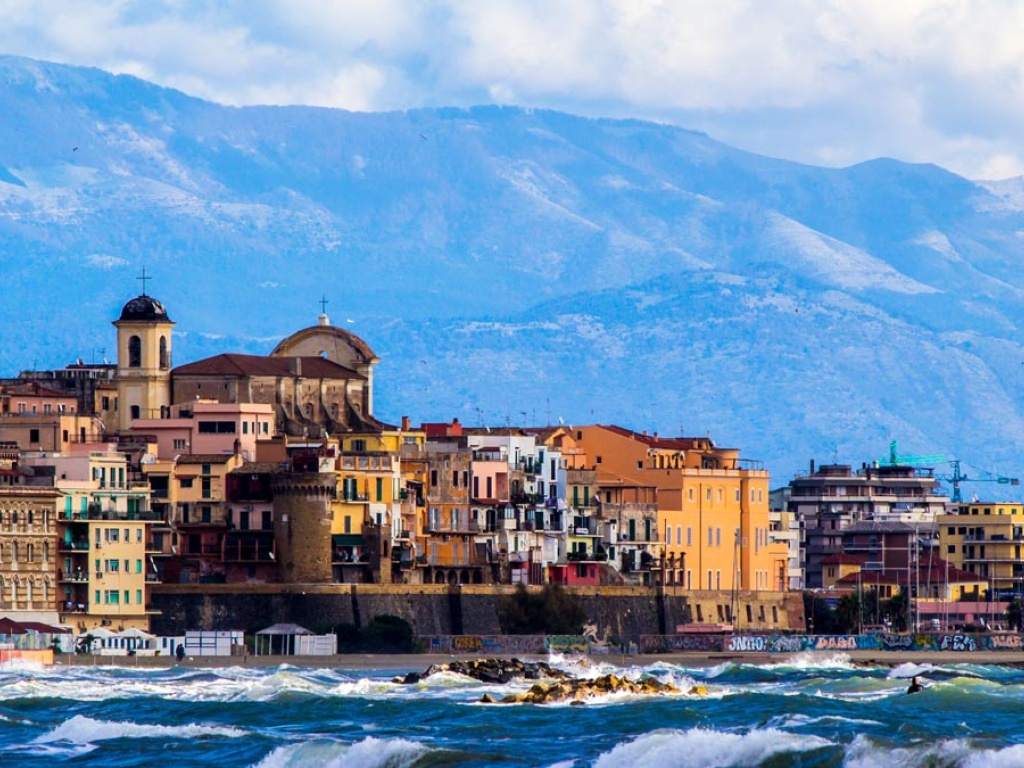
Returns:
(165, 357)
(134, 352)
(31, 517)
(46, 551)
(14, 517)
(29, 553)
(14, 552)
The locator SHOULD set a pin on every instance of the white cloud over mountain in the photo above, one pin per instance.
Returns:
(819, 81)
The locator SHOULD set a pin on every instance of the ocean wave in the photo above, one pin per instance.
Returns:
(369, 753)
(700, 747)
(804, 721)
(85, 730)
(864, 752)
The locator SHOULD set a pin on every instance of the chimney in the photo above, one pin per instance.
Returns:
(406, 424)
(644, 433)
(812, 466)
(238, 447)
(655, 436)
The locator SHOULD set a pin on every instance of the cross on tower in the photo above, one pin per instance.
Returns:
(143, 278)
(323, 304)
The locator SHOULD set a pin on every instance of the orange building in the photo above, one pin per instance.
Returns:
(712, 507)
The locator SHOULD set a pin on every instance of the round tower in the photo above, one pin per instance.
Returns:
(302, 526)
(143, 361)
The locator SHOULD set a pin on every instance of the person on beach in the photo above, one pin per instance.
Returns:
(915, 687)
(179, 654)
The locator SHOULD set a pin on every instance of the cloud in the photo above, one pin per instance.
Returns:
(105, 261)
(825, 81)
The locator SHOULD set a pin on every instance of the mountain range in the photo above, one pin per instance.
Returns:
(522, 266)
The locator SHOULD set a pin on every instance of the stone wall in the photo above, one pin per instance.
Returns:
(612, 612)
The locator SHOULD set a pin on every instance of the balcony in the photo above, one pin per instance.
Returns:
(587, 557)
(74, 546)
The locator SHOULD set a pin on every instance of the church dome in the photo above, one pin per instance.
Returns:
(144, 308)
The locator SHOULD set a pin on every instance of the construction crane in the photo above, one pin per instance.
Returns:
(959, 477)
(895, 460)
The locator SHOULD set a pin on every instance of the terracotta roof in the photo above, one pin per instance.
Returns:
(230, 364)
(656, 441)
(34, 389)
(843, 559)
(931, 571)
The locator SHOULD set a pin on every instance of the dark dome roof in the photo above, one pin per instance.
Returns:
(144, 308)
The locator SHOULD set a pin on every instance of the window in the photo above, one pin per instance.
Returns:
(134, 352)
(718, 537)
(186, 482)
(737, 495)
(689, 537)
(33, 435)
(165, 356)
(217, 428)
(691, 494)
(711, 539)
(179, 445)
(105, 403)
(136, 412)
(207, 489)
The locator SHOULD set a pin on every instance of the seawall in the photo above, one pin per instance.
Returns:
(623, 612)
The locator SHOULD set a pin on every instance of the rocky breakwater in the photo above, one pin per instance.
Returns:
(576, 690)
(554, 685)
(491, 671)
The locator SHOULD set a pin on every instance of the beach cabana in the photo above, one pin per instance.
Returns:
(279, 640)
(138, 641)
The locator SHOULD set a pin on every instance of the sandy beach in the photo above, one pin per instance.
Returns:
(420, 661)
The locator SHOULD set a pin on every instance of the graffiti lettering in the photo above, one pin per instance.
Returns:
(957, 643)
(1005, 642)
(466, 643)
(746, 643)
(836, 643)
(898, 642)
(786, 644)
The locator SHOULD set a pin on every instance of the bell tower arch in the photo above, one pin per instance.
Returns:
(143, 361)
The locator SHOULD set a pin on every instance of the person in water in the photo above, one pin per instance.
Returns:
(915, 686)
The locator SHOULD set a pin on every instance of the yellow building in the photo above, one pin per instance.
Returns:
(985, 539)
(104, 569)
(712, 509)
(143, 361)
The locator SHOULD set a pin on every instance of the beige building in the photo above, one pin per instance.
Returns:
(28, 543)
(103, 566)
(985, 539)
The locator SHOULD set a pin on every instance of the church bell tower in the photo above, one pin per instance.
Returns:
(143, 360)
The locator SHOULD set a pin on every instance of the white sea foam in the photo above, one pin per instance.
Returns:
(85, 730)
(369, 753)
(803, 721)
(863, 752)
(704, 748)
(812, 660)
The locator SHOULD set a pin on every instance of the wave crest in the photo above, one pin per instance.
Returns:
(700, 747)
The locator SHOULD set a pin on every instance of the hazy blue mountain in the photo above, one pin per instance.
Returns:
(525, 265)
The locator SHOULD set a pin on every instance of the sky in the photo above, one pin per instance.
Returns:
(827, 82)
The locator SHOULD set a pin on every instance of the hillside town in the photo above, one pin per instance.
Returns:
(117, 480)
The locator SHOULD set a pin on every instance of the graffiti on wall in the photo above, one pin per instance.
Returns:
(1005, 642)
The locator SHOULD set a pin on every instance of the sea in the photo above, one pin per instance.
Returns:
(811, 710)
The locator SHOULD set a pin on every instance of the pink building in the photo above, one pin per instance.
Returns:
(208, 427)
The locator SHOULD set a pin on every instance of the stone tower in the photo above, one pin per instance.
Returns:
(143, 361)
(302, 526)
